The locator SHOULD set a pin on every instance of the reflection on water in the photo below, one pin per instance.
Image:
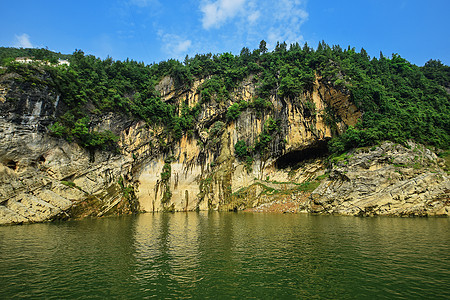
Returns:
(229, 254)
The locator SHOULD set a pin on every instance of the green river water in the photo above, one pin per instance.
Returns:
(227, 255)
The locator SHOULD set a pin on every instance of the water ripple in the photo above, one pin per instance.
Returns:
(243, 255)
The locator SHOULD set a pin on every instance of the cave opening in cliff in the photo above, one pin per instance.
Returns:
(294, 158)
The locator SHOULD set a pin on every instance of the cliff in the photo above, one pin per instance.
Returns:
(43, 177)
(386, 180)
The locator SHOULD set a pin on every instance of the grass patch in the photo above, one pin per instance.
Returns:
(322, 177)
(68, 183)
(308, 186)
(344, 157)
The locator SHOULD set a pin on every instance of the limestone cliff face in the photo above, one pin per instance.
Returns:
(43, 178)
(204, 171)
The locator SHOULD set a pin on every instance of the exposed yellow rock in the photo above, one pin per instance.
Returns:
(204, 171)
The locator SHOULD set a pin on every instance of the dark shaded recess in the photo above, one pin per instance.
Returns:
(11, 164)
(293, 158)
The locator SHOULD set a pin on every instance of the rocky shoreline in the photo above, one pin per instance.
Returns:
(388, 180)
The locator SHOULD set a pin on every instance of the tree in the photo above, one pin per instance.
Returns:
(437, 71)
(364, 53)
(245, 52)
(262, 47)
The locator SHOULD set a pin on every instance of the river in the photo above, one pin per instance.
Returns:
(227, 255)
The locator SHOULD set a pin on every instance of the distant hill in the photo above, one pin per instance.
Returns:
(8, 54)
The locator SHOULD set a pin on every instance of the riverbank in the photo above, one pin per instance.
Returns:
(389, 179)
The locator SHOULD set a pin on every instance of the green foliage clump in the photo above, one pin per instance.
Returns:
(436, 71)
(243, 153)
(165, 181)
(294, 81)
(248, 163)
(233, 111)
(260, 104)
(213, 88)
(216, 128)
(271, 125)
(353, 137)
(399, 101)
(59, 130)
(263, 142)
(240, 149)
(166, 172)
(105, 140)
(310, 108)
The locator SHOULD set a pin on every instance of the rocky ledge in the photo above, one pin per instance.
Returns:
(390, 180)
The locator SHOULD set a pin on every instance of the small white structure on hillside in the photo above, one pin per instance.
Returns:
(24, 60)
(63, 62)
(28, 60)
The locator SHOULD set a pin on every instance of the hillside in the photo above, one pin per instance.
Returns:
(216, 131)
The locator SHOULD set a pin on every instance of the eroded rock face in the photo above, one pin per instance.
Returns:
(388, 180)
(43, 178)
(204, 171)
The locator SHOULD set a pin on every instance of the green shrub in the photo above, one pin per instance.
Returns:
(233, 112)
(240, 149)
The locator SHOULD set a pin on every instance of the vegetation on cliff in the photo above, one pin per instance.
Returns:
(399, 100)
(8, 54)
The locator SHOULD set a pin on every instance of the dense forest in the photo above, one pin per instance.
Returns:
(399, 100)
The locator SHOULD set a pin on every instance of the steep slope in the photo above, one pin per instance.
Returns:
(387, 180)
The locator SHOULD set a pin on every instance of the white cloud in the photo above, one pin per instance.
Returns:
(288, 17)
(250, 21)
(182, 46)
(22, 41)
(217, 13)
(253, 17)
(174, 46)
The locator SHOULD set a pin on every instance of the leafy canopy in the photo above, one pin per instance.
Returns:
(399, 100)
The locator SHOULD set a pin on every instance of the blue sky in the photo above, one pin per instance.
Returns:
(155, 30)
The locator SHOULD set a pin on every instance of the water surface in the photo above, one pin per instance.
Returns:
(227, 255)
